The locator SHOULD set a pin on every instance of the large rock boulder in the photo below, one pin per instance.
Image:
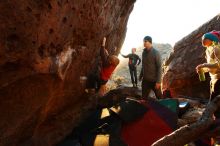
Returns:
(45, 46)
(180, 76)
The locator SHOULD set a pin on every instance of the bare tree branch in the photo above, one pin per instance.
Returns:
(189, 133)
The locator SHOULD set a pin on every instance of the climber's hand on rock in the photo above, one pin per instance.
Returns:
(115, 49)
(104, 41)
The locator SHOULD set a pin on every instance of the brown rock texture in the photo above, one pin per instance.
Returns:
(180, 76)
(45, 46)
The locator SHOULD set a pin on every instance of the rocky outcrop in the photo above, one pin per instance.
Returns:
(180, 76)
(45, 46)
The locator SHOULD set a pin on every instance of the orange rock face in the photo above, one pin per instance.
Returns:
(45, 46)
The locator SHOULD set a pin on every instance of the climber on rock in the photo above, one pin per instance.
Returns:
(134, 60)
(104, 71)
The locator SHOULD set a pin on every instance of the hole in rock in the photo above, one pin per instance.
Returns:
(51, 30)
(29, 9)
(64, 20)
(49, 6)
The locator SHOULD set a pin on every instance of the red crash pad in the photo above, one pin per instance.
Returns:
(146, 130)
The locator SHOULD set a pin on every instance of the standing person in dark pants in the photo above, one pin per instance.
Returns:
(151, 70)
(134, 60)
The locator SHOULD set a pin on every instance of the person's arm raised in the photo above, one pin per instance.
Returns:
(103, 52)
(125, 56)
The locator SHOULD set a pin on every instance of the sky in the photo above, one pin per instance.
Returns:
(167, 21)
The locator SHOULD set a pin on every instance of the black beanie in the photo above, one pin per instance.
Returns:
(148, 38)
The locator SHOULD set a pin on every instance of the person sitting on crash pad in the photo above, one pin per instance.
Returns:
(107, 66)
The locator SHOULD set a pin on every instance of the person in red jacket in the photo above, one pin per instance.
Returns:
(105, 70)
(109, 63)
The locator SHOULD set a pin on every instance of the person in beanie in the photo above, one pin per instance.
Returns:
(151, 69)
(134, 60)
(211, 41)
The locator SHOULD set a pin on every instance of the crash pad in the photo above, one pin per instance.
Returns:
(146, 130)
(172, 104)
